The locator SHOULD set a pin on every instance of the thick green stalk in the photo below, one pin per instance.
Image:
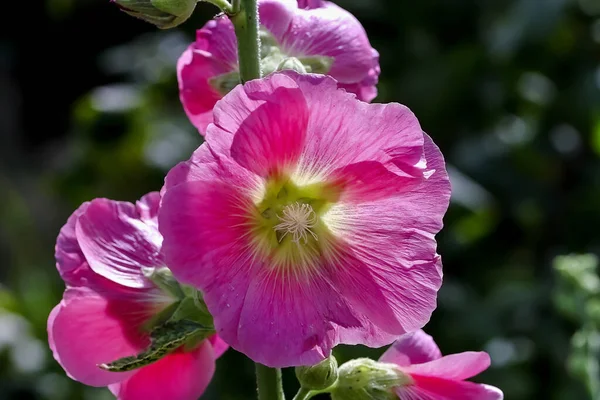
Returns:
(268, 381)
(246, 22)
(303, 394)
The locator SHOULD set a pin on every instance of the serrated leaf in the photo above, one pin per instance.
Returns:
(164, 339)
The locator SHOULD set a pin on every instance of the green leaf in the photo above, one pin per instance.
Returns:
(164, 339)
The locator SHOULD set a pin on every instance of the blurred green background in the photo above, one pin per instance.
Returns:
(509, 89)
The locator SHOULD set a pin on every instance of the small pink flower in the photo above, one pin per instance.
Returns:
(316, 28)
(100, 254)
(308, 219)
(433, 377)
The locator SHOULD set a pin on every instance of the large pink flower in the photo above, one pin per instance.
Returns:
(100, 254)
(433, 377)
(308, 219)
(207, 70)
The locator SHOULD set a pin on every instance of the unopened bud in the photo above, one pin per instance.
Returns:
(291, 63)
(365, 379)
(164, 14)
(319, 376)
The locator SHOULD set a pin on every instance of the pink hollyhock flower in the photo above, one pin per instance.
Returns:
(307, 219)
(208, 68)
(433, 377)
(100, 254)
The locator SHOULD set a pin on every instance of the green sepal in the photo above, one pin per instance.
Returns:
(317, 64)
(164, 14)
(225, 83)
(164, 339)
(163, 278)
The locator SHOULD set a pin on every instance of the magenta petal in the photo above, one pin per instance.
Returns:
(117, 244)
(299, 318)
(455, 367)
(70, 261)
(147, 208)
(87, 329)
(428, 388)
(219, 345)
(178, 376)
(396, 296)
(370, 180)
(327, 30)
(337, 134)
(412, 348)
(194, 69)
(270, 138)
(213, 53)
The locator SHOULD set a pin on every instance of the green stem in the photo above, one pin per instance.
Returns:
(268, 381)
(246, 24)
(303, 394)
(222, 4)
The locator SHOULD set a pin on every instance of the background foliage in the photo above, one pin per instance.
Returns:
(509, 89)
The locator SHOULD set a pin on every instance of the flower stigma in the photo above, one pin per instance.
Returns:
(298, 220)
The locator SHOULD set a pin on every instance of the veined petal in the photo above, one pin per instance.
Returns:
(88, 328)
(412, 348)
(147, 208)
(337, 134)
(321, 30)
(117, 244)
(70, 261)
(270, 137)
(178, 376)
(455, 366)
(214, 53)
(429, 388)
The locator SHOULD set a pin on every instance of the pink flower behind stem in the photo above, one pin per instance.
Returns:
(311, 28)
(100, 254)
(308, 219)
(433, 377)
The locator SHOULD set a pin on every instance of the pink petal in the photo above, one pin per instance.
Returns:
(310, 3)
(178, 376)
(87, 329)
(392, 272)
(412, 348)
(454, 367)
(428, 388)
(117, 243)
(337, 134)
(147, 208)
(217, 37)
(328, 30)
(270, 137)
(214, 53)
(396, 296)
(371, 180)
(299, 318)
(70, 261)
(219, 346)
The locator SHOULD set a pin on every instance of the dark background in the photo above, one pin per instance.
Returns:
(509, 89)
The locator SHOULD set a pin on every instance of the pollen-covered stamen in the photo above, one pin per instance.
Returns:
(298, 221)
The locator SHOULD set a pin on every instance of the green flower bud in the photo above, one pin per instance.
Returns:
(164, 14)
(291, 63)
(365, 379)
(319, 376)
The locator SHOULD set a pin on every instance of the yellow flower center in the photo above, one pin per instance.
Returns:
(286, 224)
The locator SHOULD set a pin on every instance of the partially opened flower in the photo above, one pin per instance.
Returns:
(308, 219)
(109, 304)
(323, 36)
(433, 377)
